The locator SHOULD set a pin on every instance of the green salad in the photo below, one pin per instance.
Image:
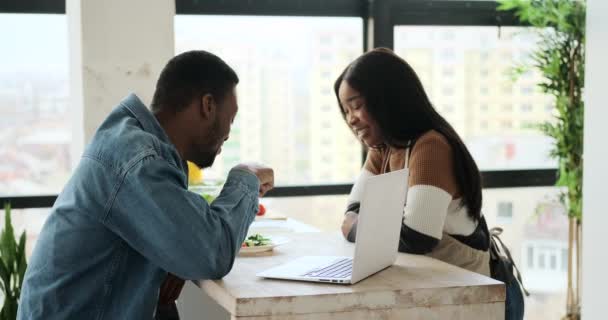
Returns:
(256, 240)
(209, 198)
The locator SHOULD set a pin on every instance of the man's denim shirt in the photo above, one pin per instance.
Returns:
(125, 219)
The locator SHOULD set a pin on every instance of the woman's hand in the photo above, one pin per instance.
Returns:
(350, 218)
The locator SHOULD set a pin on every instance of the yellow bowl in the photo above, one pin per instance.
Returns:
(195, 174)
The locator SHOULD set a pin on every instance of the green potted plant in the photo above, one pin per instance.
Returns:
(12, 267)
(560, 58)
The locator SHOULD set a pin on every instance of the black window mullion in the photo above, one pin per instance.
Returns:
(27, 202)
(334, 8)
(32, 6)
(519, 178)
(453, 13)
(383, 25)
(490, 179)
(319, 8)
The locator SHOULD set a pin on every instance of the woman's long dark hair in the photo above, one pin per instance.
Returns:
(396, 100)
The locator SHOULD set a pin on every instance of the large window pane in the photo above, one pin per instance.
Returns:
(35, 127)
(288, 116)
(322, 212)
(467, 73)
(537, 236)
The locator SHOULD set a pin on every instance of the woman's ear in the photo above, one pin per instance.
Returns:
(208, 106)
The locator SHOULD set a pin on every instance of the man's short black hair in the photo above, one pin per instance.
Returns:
(190, 76)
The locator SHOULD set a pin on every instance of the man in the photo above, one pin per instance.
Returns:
(125, 219)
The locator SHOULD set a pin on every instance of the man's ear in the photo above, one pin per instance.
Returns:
(208, 106)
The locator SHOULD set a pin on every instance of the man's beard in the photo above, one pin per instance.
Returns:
(207, 152)
(205, 159)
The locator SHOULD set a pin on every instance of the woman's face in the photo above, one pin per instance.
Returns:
(357, 117)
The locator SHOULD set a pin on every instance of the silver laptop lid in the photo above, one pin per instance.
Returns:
(379, 225)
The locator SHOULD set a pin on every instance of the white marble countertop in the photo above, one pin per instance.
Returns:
(416, 286)
(279, 227)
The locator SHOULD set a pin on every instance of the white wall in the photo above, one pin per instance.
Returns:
(116, 47)
(595, 185)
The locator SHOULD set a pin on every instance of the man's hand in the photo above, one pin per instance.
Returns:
(264, 174)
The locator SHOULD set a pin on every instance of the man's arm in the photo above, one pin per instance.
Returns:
(177, 229)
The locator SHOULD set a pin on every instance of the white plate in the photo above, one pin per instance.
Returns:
(274, 242)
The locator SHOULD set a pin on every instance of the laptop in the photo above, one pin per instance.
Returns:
(378, 229)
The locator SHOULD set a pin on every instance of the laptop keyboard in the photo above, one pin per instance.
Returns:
(340, 269)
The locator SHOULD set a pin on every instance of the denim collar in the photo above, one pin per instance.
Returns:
(149, 122)
(145, 117)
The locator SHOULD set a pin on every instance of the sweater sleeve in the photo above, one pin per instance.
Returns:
(372, 166)
(432, 186)
(353, 203)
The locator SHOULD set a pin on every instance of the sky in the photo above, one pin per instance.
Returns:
(32, 42)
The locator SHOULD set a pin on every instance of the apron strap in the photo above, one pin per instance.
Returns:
(386, 160)
(495, 251)
(406, 164)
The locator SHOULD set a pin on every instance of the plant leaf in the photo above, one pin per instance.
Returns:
(5, 276)
(7, 239)
(21, 262)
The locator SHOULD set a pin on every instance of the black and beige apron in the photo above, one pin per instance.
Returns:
(449, 249)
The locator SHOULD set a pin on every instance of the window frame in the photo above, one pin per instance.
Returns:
(383, 14)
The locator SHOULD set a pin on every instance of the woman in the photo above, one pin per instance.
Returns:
(383, 102)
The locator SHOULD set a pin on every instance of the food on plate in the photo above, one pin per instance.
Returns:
(209, 198)
(256, 240)
(261, 210)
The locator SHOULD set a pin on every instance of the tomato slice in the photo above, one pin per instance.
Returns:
(261, 210)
